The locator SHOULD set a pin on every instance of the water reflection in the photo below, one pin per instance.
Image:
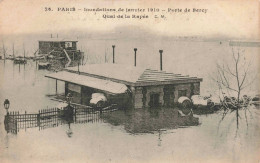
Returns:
(69, 132)
(159, 138)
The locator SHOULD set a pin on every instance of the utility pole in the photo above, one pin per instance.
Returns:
(161, 51)
(135, 49)
(113, 46)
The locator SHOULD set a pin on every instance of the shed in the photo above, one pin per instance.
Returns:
(142, 87)
(61, 50)
(57, 44)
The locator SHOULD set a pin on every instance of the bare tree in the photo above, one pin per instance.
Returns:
(232, 79)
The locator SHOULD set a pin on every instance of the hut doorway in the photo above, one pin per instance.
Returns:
(154, 100)
(168, 96)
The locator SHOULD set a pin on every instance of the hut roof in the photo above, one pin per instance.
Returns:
(105, 85)
(134, 76)
(57, 40)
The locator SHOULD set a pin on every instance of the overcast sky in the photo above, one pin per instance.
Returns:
(224, 17)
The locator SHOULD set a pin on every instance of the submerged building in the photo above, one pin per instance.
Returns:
(127, 86)
(49, 45)
(60, 49)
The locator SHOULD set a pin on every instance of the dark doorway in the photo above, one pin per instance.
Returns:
(182, 93)
(168, 96)
(154, 100)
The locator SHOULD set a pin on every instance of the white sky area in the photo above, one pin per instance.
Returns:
(232, 18)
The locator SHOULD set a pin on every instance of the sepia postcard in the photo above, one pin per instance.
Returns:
(121, 81)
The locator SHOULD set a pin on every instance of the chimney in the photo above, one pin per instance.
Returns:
(113, 46)
(161, 51)
(135, 49)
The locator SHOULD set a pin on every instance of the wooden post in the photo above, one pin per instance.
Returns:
(13, 51)
(15, 121)
(4, 51)
(161, 51)
(25, 120)
(113, 46)
(16, 129)
(78, 68)
(56, 86)
(135, 49)
(82, 58)
(56, 116)
(100, 110)
(92, 115)
(75, 112)
(23, 55)
(81, 96)
(38, 119)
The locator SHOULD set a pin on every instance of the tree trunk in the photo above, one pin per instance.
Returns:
(238, 106)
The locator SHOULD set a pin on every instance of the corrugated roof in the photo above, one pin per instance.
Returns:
(132, 75)
(105, 85)
(155, 75)
(58, 40)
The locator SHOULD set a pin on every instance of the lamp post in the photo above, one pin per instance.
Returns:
(68, 113)
(6, 105)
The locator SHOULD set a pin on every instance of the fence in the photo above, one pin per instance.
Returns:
(85, 115)
(53, 117)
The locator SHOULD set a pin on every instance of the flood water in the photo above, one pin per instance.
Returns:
(26, 88)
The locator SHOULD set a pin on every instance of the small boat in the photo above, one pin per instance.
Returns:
(29, 57)
(43, 65)
(20, 60)
(10, 57)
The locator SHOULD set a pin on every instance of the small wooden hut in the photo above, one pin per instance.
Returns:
(60, 49)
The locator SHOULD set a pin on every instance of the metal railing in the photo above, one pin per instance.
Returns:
(53, 117)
